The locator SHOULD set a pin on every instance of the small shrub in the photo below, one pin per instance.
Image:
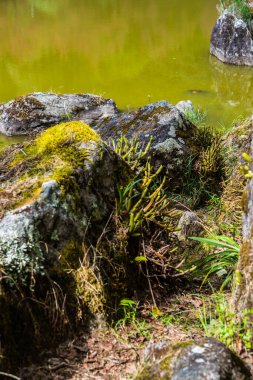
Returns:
(239, 8)
(220, 262)
(219, 321)
(205, 173)
(196, 116)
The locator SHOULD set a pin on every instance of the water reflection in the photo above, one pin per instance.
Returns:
(49, 7)
(134, 51)
(227, 79)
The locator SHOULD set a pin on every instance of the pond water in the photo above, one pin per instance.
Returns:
(134, 51)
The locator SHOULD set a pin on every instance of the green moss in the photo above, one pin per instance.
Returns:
(162, 366)
(53, 155)
(63, 134)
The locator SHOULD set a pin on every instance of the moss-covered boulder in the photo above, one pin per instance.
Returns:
(59, 184)
(38, 111)
(173, 135)
(208, 359)
(57, 193)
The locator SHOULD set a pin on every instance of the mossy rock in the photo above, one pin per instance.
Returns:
(40, 110)
(173, 135)
(61, 188)
(208, 359)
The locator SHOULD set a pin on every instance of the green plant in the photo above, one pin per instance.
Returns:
(130, 150)
(196, 116)
(206, 172)
(127, 309)
(239, 8)
(219, 321)
(144, 200)
(221, 261)
(247, 167)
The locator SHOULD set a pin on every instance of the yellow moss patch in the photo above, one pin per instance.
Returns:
(55, 154)
(64, 133)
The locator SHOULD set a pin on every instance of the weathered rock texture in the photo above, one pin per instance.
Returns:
(243, 293)
(238, 141)
(61, 208)
(185, 106)
(231, 41)
(173, 136)
(38, 111)
(189, 225)
(57, 195)
(207, 360)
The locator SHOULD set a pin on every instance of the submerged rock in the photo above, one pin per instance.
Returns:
(208, 359)
(38, 111)
(173, 136)
(231, 41)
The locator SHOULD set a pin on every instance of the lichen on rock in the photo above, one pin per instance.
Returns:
(207, 359)
(38, 111)
(231, 40)
(51, 180)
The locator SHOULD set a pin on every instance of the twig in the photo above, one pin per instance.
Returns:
(149, 282)
(10, 376)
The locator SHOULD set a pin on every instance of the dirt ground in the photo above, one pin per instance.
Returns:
(116, 353)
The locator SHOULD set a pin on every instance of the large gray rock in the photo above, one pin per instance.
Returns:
(59, 193)
(173, 136)
(38, 111)
(33, 236)
(231, 41)
(207, 360)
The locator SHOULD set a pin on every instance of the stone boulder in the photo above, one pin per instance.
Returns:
(189, 225)
(206, 360)
(57, 195)
(185, 106)
(173, 135)
(231, 41)
(38, 111)
(60, 185)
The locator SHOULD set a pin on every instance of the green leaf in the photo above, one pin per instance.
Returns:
(139, 259)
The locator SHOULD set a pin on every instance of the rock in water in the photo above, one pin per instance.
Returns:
(38, 111)
(231, 41)
(207, 360)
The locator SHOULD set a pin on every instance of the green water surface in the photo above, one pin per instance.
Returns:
(134, 51)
